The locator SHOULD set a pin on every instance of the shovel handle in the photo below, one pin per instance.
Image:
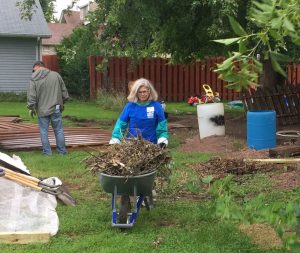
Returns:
(28, 178)
(26, 183)
(31, 185)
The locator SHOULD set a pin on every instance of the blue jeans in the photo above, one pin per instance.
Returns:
(57, 125)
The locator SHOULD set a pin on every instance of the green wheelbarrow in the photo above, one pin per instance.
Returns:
(140, 187)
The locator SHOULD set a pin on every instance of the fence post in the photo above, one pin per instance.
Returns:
(92, 77)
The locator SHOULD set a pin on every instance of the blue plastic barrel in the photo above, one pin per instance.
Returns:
(261, 129)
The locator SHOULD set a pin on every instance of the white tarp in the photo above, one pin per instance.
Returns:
(14, 160)
(23, 209)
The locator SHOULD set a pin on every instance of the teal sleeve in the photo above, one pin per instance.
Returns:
(162, 130)
(119, 129)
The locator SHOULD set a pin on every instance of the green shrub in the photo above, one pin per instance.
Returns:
(73, 60)
(112, 100)
(13, 97)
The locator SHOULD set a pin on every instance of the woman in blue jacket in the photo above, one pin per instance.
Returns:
(143, 115)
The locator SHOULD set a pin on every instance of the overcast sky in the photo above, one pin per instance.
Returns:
(63, 4)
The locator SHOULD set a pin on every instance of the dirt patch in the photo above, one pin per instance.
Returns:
(287, 180)
(262, 235)
(232, 149)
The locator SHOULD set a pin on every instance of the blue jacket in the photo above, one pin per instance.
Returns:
(146, 119)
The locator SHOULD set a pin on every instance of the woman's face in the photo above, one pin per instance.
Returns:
(143, 94)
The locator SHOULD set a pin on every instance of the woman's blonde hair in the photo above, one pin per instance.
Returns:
(142, 82)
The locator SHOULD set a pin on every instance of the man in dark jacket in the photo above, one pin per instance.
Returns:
(46, 96)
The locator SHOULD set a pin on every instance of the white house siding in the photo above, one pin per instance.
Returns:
(17, 56)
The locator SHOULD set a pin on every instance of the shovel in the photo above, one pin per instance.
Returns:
(57, 190)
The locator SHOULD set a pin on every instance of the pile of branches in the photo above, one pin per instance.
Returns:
(130, 158)
(220, 167)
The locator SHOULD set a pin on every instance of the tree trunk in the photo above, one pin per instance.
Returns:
(269, 77)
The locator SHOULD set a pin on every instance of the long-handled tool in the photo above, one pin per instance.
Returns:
(56, 190)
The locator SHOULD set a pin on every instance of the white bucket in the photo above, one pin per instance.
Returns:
(211, 119)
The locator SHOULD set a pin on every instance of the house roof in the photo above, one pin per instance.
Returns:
(59, 32)
(68, 21)
(11, 24)
(70, 17)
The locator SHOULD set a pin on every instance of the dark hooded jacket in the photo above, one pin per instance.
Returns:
(46, 90)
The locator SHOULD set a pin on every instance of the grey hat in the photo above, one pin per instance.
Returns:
(38, 63)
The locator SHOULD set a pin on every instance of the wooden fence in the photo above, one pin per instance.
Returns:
(51, 62)
(174, 83)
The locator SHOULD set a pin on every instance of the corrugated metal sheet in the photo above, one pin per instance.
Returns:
(16, 59)
(21, 136)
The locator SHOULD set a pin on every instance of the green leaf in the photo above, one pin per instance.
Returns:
(228, 62)
(207, 179)
(263, 7)
(236, 27)
(288, 25)
(280, 57)
(242, 46)
(227, 41)
(276, 66)
(231, 77)
(275, 34)
(276, 23)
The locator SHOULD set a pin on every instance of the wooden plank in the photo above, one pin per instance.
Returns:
(99, 75)
(164, 79)
(111, 75)
(175, 83)
(219, 85)
(118, 85)
(197, 79)
(24, 237)
(92, 77)
(208, 71)
(192, 90)
(202, 77)
(294, 101)
(180, 83)
(158, 76)
(186, 87)
(152, 72)
(214, 84)
(169, 83)
(129, 71)
(147, 69)
(141, 72)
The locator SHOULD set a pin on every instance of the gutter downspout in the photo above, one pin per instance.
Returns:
(38, 50)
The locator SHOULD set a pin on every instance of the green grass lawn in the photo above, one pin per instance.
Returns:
(175, 225)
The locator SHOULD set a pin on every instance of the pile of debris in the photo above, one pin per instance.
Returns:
(219, 167)
(130, 158)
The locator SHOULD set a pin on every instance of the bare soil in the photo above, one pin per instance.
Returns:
(231, 149)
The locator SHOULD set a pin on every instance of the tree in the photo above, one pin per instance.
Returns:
(73, 55)
(181, 30)
(278, 31)
(27, 8)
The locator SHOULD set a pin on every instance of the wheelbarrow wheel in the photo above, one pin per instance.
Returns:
(125, 208)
